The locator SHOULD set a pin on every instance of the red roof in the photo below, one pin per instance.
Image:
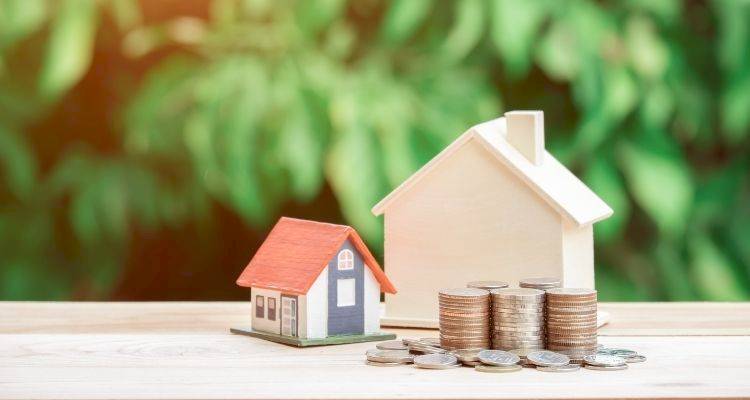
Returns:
(297, 251)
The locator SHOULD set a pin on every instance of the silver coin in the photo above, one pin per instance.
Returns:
(603, 360)
(382, 364)
(487, 285)
(392, 345)
(637, 358)
(498, 357)
(545, 358)
(561, 368)
(436, 361)
(398, 356)
(427, 349)
(498, 368)
(618, 352)
(466, 355)
(603, 368)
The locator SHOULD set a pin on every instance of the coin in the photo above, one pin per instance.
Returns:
(572, 292)
(517, 293)
(382, 364)
(560, 368)
(498, 369)
(603, 360)
(539, 283)
(498, 357)
(392, 345)
(603, 368)
(396, 356)
(618, 352)
(637, 358)
(487, 285)
(463, 292)
(436, 361)
(547, 358)
(466, 355)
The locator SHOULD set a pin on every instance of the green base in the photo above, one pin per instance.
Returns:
(299, 342)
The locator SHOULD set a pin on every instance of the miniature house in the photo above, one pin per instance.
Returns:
(492, 205)
(311, 280)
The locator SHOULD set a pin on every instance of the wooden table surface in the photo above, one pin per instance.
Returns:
(183, 350)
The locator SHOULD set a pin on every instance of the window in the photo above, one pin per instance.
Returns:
(346, 260)
(259, 307)
(345, 295)
(271, 309)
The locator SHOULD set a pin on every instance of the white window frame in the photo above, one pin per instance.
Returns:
(346, 292)
(345, 260)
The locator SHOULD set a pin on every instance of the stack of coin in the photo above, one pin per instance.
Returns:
(540, 283)
(571, 322)
(464, 318)
(518, 319)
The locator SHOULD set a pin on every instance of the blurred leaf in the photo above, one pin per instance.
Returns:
(667, 10)
(604, 179)
(403, 18)
(647, 52)
(660, 182)
(673, 271)
(712, 272)
(70, 49)
(315, 15)
(353, 170)
(126, 13)
(558, 53)
(301, 150)
(466, 30)
(19, 18)
(17, 163)
(514, 31)
(735, 104)
(657, 107)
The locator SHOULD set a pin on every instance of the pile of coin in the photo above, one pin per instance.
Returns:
(540, 283)
(464, 318)
(426, 353)
(571, 322)
(517, 319)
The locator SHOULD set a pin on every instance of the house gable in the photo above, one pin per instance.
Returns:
(346, 291)
(550, 180)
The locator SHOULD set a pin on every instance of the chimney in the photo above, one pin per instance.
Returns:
(526, 134)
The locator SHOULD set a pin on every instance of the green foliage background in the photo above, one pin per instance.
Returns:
(232, 112)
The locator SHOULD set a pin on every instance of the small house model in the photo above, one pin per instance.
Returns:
(314, 283)
(492, 205)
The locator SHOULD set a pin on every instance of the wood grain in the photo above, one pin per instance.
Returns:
(184, 350)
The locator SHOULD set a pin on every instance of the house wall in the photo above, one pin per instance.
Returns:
(372, 302)
(264, 324)
(316, 310)
(468, 219)
(578, 255)
(346, 319)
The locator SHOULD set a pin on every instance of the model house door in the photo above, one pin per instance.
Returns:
(288, 316)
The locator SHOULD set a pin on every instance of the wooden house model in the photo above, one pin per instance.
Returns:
(492, 205)
(314, 283)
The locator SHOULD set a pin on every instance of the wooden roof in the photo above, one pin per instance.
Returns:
(551, 180)
(296, 251)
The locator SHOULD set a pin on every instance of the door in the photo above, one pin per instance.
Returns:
(288, 316)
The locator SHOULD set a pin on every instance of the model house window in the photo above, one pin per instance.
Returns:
(271, 309)
(259, 307)
(345, 292)
(346, 259)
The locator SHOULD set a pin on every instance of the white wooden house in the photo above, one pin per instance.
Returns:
(493, 205)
